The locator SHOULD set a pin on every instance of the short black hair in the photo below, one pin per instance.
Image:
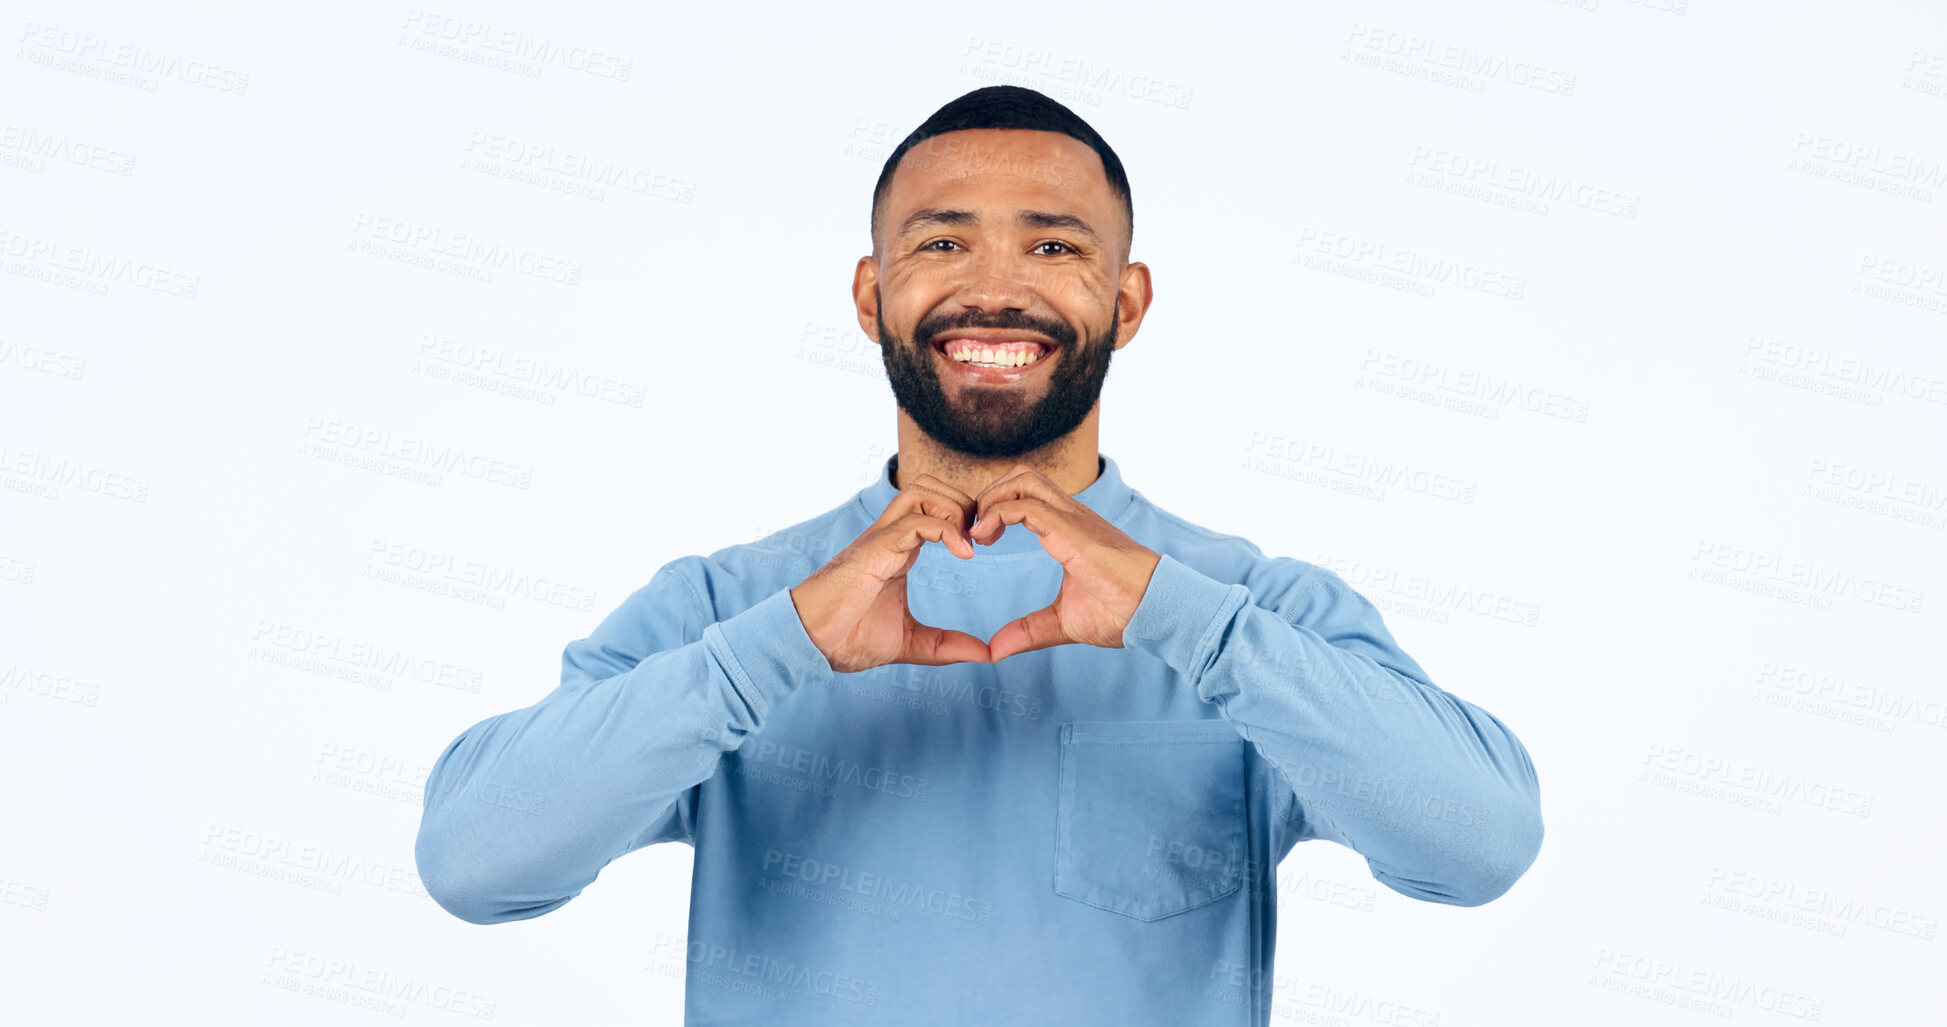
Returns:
(1008, 107)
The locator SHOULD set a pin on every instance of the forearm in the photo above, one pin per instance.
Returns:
(1437, 794)
(525, 808)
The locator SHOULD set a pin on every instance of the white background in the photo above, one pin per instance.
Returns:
(1646, 303)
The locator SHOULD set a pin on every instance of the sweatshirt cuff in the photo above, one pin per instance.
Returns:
(1182, 616)
(766, 651)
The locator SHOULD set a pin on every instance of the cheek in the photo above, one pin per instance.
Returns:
(918, 272)
(906, 294)
(1087, 285)
(1092, 297)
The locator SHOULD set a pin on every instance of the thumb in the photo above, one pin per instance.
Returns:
(930, 646)
(1037, 630)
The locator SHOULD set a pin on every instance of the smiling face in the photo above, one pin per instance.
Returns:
(998, 287)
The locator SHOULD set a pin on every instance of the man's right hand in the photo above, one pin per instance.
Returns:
(854, 607)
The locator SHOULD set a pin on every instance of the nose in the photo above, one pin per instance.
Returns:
(995, 281)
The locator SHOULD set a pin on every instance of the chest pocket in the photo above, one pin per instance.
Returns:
(1150, 815)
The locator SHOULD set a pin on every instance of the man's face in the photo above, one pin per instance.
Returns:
(997, 239)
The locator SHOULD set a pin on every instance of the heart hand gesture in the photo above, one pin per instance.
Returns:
(854, 607)
(1104, 571)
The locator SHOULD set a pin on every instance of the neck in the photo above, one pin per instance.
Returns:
(1070, 461)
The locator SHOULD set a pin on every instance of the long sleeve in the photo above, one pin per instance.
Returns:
(523, 809)
(1437, 794)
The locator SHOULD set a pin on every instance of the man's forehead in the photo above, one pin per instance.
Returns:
(1046, 164)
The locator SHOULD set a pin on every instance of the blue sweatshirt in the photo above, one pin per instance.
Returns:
(1074, 835)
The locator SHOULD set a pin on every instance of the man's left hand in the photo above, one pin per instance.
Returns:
(1104, 571)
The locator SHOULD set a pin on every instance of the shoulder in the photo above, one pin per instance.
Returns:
(1293, 588)
(733, 578)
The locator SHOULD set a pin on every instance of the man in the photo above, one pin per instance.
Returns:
(1041, 771)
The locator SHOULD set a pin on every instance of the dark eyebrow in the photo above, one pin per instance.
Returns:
(935, 216)
(1042, 219)
(1026, 219)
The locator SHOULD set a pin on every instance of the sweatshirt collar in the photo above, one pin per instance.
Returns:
(1107, 495)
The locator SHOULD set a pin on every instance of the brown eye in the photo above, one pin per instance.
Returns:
(1065, 247)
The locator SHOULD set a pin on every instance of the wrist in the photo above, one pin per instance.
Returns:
(1178, 619)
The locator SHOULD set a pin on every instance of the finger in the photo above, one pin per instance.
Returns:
(955, 511)
(952, 531)
(1037, 630)
(931, 647)
(890, 551)
(942, 501)
(926, 485)
(1029, 487)
(918, 528)
(1034, 513)
(949, 490)
(917, 498)
(999, 485)
(1020, 482)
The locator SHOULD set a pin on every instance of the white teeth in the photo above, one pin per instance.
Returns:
(991, 357)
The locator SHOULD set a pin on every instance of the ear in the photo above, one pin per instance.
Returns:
(865, 296)
(1132, 302)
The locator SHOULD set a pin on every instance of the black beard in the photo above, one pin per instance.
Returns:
(993, 424)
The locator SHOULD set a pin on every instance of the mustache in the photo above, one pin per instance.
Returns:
(1015, 320)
